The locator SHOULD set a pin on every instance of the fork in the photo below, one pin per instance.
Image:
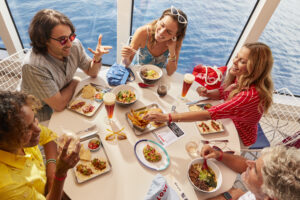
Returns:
(87, 130)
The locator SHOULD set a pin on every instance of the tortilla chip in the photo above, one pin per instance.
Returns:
(84, 154)
(88, 92)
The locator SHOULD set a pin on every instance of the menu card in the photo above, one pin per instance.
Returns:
(168, 134)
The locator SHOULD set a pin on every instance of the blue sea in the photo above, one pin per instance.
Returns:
(213, 29)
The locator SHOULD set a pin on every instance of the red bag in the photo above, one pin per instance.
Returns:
(209, 77)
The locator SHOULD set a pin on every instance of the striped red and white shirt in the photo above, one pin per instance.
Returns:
(243, 109)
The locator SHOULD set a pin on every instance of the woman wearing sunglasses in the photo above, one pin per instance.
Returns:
(158, 42)
(247, 93)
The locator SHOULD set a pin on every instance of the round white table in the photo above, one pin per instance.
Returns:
(128, 179)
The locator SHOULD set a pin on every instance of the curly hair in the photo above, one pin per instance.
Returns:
(259, 67)
(41, 26)
(281, 172)
(181, 27)
(12, 126)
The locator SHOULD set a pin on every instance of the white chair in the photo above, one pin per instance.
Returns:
(11, 71)
(281, 125)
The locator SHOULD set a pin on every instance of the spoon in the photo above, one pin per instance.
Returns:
(144, 85)
(204, 166)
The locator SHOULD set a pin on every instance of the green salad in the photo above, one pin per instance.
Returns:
(126, 96)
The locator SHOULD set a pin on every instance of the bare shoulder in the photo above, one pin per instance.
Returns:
(141, 31)
(140, 36)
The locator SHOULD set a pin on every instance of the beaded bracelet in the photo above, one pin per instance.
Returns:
(51, 160)
(95, 61)
(172, 59)
(220, 150)
(221, 156)
(60, 178)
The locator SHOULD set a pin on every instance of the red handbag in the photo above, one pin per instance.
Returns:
(209, 77)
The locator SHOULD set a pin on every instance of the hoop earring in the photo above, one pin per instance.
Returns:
(174, 39)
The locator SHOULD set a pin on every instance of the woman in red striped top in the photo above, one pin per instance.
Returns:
(247, 93)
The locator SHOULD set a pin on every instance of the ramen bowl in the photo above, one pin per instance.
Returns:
(215, 169)
(150, 73)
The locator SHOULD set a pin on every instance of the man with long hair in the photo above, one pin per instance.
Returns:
(48, 71)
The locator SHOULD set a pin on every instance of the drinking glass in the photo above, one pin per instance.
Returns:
(187, 83)
(193, 149)
(109, 100)
(162, 88)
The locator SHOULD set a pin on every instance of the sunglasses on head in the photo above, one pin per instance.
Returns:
(64, 40)
(181, 18)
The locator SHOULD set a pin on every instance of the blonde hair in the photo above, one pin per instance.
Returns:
(259, 67)
(181, 27)
(281, 172)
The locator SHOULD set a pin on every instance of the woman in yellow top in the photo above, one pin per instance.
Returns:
(22, 171)
(158, 42)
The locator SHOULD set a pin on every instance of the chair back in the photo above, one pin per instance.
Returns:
(11, 71)
(282, 122)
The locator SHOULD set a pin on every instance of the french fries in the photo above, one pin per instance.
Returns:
(137, 118)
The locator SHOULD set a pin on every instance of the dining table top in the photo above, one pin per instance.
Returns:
(128, 178)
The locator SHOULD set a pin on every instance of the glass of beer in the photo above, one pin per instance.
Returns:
(187, 82)
(109, 100)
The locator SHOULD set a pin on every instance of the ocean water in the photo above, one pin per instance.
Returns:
(213, 29)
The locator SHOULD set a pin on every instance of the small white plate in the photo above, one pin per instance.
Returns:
(158, 166)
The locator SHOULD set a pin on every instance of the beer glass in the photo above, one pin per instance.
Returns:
(109, 100)
(187, 82)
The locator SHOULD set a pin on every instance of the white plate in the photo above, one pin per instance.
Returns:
(158, 166)
(212, 130)
(119, 88)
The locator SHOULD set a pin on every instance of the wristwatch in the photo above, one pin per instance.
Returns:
(227, 196)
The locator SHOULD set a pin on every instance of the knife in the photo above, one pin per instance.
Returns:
(209, 141)
(194, 102)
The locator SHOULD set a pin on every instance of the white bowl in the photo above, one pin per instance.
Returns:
(151, 67)
(214, 167)
(119, 88)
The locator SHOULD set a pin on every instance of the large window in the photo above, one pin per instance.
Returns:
(213, 30)
(282, 34)
(90, 18)
(1, 44)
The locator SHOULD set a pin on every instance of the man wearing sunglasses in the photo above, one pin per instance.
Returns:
(48, 70)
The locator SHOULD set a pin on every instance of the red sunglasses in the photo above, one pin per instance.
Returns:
(64, 40)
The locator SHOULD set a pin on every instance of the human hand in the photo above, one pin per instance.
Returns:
(67, 161)
(172, 46)
(127, 51)
(100, 50)
(202, 91)
(208, 152)
(156, 117)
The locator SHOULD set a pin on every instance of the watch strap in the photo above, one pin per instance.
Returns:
(227, 196)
